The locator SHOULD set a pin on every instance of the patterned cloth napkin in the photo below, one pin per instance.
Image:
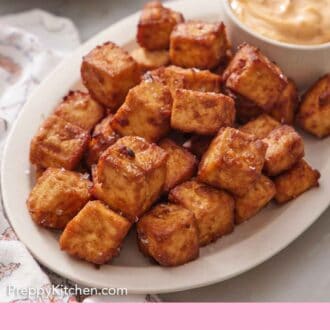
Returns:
(31, 44)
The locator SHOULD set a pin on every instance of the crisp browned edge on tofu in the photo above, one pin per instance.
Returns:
(295, 181)
(316, 104)
(168, 234)
(95, 234)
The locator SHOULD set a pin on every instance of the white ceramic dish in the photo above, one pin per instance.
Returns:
(303, 63)
(251, 243)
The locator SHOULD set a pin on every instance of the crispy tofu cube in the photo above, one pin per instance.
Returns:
(254, 200)
(285, 107)
(57, 197)
(95, 234)
(252, 75)
(155, 26)
(201, 113)
(233, 161)
(285, 147)
(109, 72)
(58, 144)
(295, 181)
(130, 175)
(213, 209)
(80, 109)
(193, 79)
(150, 60)
(198, 144)
(103, 137)
(261, 126)
(245, 109)
(181, 164)
(196, 44)
(146, 112)
(314, 111)
(168, 234)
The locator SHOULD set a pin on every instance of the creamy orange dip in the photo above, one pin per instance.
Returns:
(305, 22)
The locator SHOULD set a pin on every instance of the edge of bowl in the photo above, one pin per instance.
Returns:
(228, 11)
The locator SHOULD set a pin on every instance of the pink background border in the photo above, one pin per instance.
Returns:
(165, 316)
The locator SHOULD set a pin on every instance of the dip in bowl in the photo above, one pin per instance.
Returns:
(294, 33)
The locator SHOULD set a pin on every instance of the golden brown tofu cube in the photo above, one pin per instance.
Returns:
(254, 76)
(130, 175)
(295, 181)
(57, 197)
(155, 26)
(146, 112)
(314, 111)
(168, 234)
(103, 137)
(285, 147)
(150, 60)
(213, 209)
(261, 126)
(95, 234)
(285, 107)
(196, 44)
(58, 144)
(193, 79)
(254, 200)
(233, 161)
(201, 113)
(181, 164)
(198, 144)
(109, 72)
(80, 109)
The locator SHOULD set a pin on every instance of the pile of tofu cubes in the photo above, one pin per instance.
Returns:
(182, 139)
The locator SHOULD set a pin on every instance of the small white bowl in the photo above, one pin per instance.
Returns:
(304, 64)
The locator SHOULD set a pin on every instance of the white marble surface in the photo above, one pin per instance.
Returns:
(299, 273)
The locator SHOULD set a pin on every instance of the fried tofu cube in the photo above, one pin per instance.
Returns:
(233, 161)
(150, 60)
(95, 234)
(254, 200)
(285, 147)
(292, 183)
(155, 26)
(261, 126)
(285, 107)
(181, 164)
(146, 112)
(168, 234)
(130, 175)
(109, 72)
(314, 111)
(58, 144)
(201, 113)
(193, 79)
(57, 197)
(198, 144)
(196, 44)
(213, 209)
(103, 137)
(252, 75)
(80, 109)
